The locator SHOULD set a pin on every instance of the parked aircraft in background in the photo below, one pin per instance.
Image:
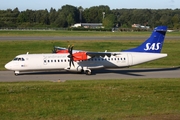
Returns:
(83, 61)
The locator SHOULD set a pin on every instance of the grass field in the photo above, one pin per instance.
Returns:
(148, 99)
(68, 33)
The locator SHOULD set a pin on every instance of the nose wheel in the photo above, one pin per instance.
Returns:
(16, 73)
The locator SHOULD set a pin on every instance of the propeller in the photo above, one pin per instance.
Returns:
(70, 49)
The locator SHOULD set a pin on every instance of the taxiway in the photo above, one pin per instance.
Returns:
(126, 73)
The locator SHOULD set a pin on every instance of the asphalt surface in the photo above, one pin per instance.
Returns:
(125, 73)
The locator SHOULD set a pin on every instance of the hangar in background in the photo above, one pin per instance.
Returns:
(88, 25)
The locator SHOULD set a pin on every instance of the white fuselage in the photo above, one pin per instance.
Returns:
(32, 62)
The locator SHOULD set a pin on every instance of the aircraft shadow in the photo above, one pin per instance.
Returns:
(135, 71)
(47, 72)
(130, 71)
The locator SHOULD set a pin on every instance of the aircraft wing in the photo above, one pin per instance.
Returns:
(58, 49)
(102, 54)
(79, 53)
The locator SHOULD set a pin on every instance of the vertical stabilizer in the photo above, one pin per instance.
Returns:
(154, 43)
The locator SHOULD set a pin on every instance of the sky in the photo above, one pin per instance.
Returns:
(113, 4)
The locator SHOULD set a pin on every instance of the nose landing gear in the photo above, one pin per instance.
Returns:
(16, 73)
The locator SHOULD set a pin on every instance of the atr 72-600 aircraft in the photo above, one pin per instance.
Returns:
(83, 61)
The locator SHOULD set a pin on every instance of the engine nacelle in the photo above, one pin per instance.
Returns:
(74, 69)
(80, 56)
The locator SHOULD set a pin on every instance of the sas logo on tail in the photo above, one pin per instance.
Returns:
(154, 46)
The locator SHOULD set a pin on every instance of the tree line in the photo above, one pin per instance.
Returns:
(68, 15)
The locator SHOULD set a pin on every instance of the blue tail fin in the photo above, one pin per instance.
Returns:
(154, 43)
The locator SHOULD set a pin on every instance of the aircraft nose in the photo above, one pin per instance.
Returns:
(8, 66)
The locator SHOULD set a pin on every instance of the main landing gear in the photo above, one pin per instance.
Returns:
(88, 72)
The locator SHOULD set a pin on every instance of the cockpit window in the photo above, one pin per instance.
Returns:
(15, 59)
(18, 59)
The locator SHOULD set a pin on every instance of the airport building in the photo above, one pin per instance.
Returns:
(88, 25)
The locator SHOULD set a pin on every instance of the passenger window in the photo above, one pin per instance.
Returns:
(23, 59)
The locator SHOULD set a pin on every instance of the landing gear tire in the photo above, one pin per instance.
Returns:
(88, 72)
(16, 73)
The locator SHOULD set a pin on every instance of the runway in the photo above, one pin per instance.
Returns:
(126, 73)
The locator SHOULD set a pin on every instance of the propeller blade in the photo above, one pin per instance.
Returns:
(71, 61)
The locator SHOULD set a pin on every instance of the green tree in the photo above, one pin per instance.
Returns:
(70, 14)
(70, 20)
(52, 16)
(176, 21)
(95, 14)
(22, 17)
(60, 21)
(109, 21)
